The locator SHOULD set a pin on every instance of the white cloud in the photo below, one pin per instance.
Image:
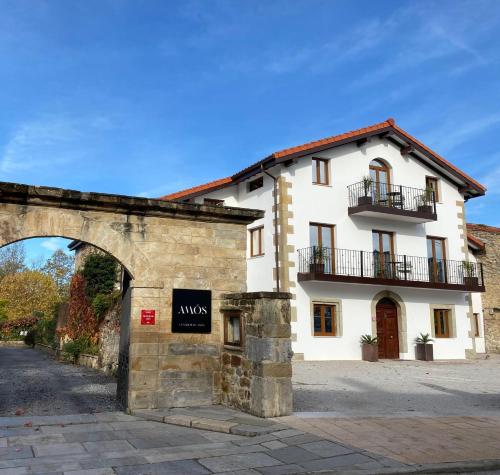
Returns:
(50, 141)
(458, 131)
(53, 244)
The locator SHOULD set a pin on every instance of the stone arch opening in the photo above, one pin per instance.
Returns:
(113, 353)
(401, 316)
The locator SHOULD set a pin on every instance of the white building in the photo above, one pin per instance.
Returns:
(384, 256)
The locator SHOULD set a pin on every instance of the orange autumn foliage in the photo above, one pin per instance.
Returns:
(82, 322)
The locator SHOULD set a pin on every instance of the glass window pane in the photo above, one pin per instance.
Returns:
(322, 171)
(429, 248)
(317, 319)
(438, 244)
(317, 324)
(386, 242)
(376, 241)
(328, 319)
(235, 329)
(255, 242)
(314, 171)
(313, 235)
(326, 236)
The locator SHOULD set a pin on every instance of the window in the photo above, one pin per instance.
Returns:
(476, 324)
(380, 174)
(213, 202)
(321, 235)
(383, 255)
(432, 183)
(324, 320)
(320, 171)
(257, 241)
(233, 330)
(256, 184)
(442, 323)
(436, 256)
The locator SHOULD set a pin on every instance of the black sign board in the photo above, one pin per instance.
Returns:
(191, 311)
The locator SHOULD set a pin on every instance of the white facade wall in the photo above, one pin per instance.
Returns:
(477, 307)
(329, 205)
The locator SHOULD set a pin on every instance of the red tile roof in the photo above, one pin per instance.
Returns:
(476, 241)
(213, 185)
(311, 147)
(482, 227)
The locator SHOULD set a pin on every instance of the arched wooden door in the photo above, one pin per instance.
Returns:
(387, 329)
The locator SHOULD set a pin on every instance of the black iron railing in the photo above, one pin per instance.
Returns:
(392, 196)
(376, 265)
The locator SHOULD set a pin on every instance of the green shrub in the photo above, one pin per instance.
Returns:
(102, 303)
(75, 348)
(45, 331)
(100, 272)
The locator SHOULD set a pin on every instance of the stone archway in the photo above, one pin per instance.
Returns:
(401, 312)
(163, 245)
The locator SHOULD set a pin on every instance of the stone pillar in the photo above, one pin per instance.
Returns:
(144, 345)
(258, 377)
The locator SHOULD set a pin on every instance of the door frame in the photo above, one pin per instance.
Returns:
(402, 319)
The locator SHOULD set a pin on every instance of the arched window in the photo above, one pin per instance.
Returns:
(380, 174)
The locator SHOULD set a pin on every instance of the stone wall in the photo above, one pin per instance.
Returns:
(165, 246)
(256, 378)
(490, 258)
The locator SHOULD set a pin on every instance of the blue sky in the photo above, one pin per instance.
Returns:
(147, 97)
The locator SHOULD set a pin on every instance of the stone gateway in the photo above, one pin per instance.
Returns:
(165, 246)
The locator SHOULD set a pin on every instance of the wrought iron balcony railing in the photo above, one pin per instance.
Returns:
(324, 263)
(390, 196)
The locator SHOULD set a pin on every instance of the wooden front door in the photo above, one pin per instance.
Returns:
(387, 329)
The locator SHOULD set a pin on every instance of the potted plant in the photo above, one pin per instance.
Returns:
(317, 260)
(470, 277)
(367, 186)
(369, 348)
(425, 201)
(424, 348)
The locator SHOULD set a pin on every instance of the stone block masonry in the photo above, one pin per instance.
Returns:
(490, 258)
(163, 246)
(256, 378)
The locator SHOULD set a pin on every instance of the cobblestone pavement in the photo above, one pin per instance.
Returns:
(35, 383)
(414, 412)
(116, 443)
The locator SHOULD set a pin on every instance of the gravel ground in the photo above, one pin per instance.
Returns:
(34, 382)
(398, 388)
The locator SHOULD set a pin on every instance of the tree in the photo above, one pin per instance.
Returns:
(12, 259)
(60, 267)
(27, 292)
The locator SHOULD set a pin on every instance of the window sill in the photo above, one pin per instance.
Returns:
(256, 257)
(233, 347)
(327, 336)
(322, 184)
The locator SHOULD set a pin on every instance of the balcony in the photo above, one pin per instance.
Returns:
(368, 267)
(384, 200)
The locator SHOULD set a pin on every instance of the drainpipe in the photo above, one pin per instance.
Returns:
(276, 243)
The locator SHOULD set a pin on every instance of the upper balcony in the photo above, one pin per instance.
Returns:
(385, 200)
(365, 267)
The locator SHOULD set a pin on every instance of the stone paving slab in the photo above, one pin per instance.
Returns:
(112, 445)
(212, 418)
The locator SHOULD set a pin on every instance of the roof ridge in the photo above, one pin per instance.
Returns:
(390, 122)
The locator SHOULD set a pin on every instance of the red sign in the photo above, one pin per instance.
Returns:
(148, 317)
